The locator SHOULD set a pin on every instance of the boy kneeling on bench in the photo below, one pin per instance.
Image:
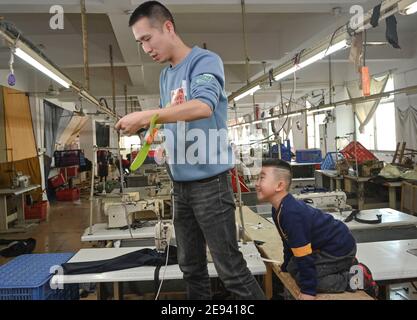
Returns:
(318, 249)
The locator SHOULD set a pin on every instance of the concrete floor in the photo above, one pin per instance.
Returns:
(62, 233)
(68, 220)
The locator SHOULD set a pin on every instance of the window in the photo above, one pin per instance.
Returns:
(379, 133)
(131, 143)
(367, 138)
(313, 129)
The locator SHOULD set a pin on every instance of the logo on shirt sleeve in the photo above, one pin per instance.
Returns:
(204, 78)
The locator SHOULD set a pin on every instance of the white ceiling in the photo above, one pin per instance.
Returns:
(275, 28)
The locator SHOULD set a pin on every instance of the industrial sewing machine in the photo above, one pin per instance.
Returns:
(123, 214)
(20, 180)
(334, 201)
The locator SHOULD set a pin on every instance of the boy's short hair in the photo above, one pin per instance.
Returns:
(283, 168)
(154, 11)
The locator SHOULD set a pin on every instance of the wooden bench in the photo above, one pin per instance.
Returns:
(409, 198)
(260, 229)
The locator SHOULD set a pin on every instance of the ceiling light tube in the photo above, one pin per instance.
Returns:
(407, 7)
(291, 115)
(294, 114)
(248, 92)
(257, 121)
(319, 110)
(285, 74)
(328, 51)
(36, 64)
(332, 49)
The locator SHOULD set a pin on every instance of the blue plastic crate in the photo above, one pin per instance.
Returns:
(27, 277)
(285, 151)
(329, 162)
(308, 156)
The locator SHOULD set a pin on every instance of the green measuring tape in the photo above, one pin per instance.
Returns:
(149, 137)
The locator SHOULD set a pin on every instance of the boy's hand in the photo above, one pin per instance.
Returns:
(131, 123)
(303, 296)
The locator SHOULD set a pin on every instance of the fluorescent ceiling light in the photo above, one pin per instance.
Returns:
(407, 7)
(285, 73)
(319, 110)
(249, 92)
(284, 116)
(294, 114)
(332, 49)
(24, 56)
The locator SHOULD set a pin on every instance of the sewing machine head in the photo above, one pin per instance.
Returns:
(122, 214)
(334, 201)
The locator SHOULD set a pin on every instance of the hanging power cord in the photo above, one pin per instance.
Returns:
(290, 102)
(167, 250)
(127, 220)
(332, 38)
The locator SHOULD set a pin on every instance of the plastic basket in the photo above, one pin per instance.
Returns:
(27, 277)
(285, 151)
(67, 158)
(308, 156)
(329, 162)
(68, 194)
(37, 211)
(56, 181)
(356, 151)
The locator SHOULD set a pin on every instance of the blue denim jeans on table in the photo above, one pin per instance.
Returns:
(205, 215)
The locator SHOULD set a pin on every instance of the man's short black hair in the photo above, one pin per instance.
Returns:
(154, 11)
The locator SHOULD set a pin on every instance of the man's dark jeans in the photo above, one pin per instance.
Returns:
(205, 215)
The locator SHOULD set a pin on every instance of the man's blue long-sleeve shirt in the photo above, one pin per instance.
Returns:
(197, 149)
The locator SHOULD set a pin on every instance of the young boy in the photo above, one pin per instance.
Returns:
(318, 250)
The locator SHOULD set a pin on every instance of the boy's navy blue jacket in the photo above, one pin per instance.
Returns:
(304, 230)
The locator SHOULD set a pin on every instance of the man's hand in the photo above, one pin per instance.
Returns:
(131, 123)
(303, 296)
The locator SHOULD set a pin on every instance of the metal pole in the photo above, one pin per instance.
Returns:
(93, 169)
(85, 45)
(245, 44)
(330, 80)
(112, 78)
(122, 179)
(239, 200)
(125, 90)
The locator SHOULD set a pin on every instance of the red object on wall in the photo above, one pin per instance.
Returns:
(361, 153)
(37, 211)
(68, 194)
(366, 82)
(243, 186)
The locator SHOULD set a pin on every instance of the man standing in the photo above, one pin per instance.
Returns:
(193, 101)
